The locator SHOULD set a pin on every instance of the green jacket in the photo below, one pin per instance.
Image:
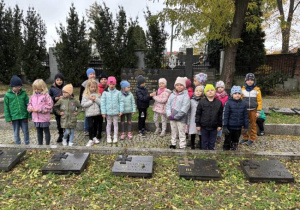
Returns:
(262, 114)
(68, 106)
(15, 105)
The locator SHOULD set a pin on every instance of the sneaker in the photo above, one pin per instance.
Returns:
(109, 139)
(163, 134)
(122, 136)
(157, 131)
(86, 133)
(140, 133)
(90, 143)
(95, 140)
(218, 140)
(243, 141)
(64, 142)
(249, 143)
(115, 139)
(172, 147)
(71, 144)
(129, 134)
(262, 133)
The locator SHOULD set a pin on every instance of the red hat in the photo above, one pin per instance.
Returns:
(188, 83)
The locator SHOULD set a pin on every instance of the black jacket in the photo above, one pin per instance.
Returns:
(143, 97)
(209, 114)
(55, 92)
(235, 114)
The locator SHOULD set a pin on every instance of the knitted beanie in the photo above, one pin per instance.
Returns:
(124, 84)
(220, 84)
(162, 80)
(188, 83)
(140, 80)
(60, 76)
(181, 80)
(235, 89)
(90, 70)
(250, 76)
(68, 88)
(111, 80)
(201, 77)
(209, 87)
(15, 81)
(102, 75)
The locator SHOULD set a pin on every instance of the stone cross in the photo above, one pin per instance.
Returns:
(124, 158)
(186, 162)
(59, 156)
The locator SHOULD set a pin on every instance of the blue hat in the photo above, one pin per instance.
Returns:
(15, 81)
(236, 89)
(124, 84)
(90, 70)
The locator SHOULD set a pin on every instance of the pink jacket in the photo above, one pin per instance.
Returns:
(223, 97)
(161, 101)
(43, 103)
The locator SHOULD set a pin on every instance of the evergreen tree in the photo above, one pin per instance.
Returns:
(73, 51)
(35, 52)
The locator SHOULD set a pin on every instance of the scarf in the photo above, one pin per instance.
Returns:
(196, 98)
(125, 93)
(249, 88)
(221, 95)
(160, 90)
(37, 93)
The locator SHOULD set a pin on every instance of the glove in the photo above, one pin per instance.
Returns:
(226, 131)
(245, 131)
(171, 117)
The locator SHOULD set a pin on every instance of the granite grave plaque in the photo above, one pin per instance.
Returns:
(9, 158)
(286, 111)
(65, 163)
(297, 110)
(199, 169)
(266, 171)
(134, 166)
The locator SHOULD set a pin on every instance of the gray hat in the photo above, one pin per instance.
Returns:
(140, 80)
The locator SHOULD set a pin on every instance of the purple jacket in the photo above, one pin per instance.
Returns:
(43, 103)
(161, 101)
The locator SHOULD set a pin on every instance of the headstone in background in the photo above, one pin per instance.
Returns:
(286, 111)
(66, 163)
(266, 171)
(134, 166)
(296, 110)
(199, 169)
(9, 158)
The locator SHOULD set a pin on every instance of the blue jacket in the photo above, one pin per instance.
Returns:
(112, 102)
(178, 106)
(129, 103)
(143, 97)
(55, 92)
(235, 114)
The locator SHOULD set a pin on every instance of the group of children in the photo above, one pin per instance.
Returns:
(204, 112)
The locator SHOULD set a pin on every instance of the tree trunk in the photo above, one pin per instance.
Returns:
(285, 39)
(235, 33)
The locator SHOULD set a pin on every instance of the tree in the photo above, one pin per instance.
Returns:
(73, 50)
(35, 52)
(155, 40)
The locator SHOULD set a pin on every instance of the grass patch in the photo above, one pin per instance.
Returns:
(278, 118)
(26, 188)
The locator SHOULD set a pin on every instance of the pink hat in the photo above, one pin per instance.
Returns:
(181, 80)
(111, 80)
(162, 80)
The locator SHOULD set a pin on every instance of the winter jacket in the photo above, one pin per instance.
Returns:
(112, 102)
(235, 115)
(262, 114)
(82, 88)
(68, 106)
(55, 92)
(161, 101)
(43, 103)
(101, 88)
(129, 103)
(192, 117)
(222, 97)
(143, 97)
(190, 91)
(92, 108)
(178, 106)
(209, 114)
(252, 98)
(15, 106)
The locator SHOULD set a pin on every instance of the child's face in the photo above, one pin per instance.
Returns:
(66, 94)
(198, 92)
(179, 88)
(210, 93)
(143, 84)
(17, 89)
(236, 96)
(161, 85)
(38, 90)
(111, 86)
(220, 89)
(58, 81)
(93, 88)
(92, 75)
(103, 81)
(196, 82)
(127, 89)
(250, 82)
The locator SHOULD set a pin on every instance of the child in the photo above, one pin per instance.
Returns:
(102, 83)
(223, 97)
(143, 99)
(189, 88)
(129, 109)
(191, 116)
(68, 107)
(40, 105)
(15, 109)
(55, 93)
(260, 122)
(177, 109)
(209, 117)
(251, 95)
(200, 79)
(159, 107)
(91, 103)
(112, 106)
(235, 117)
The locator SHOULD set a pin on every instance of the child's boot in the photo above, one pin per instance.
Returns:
(163, 134)
(109, 139)
(192, 143)
(115, 139)
(122, 136)
(157, 131)
(129, 135)
(60, 137)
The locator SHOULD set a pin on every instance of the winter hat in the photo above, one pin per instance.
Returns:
(181, 80)
(188, 83)
(250, 76)
(209, 87)
(90, 70)
(201, 77)
(111, 80)
(236, 89)
(60, 76)
(68, 88)
(162, 80)
(220, 84)
(103, 75)
(199, 87)
(140, 80)
(124, 84)
(15, 81)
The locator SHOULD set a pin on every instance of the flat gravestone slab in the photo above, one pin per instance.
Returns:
(66, 163)
(266, 110)
(297, 110)
(10, 158)
(199, 169)
(286, 111)
(266, 171)
(134, 166)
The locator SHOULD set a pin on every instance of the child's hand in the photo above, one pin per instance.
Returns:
(93, 98)
(104, 115)
(120, 114)
(257, 114)
(75, 113)
(30, 110)
(35, 110)
(133, 113)
(61, 113)
(219, 128)
(198, 128)
(57, 98)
